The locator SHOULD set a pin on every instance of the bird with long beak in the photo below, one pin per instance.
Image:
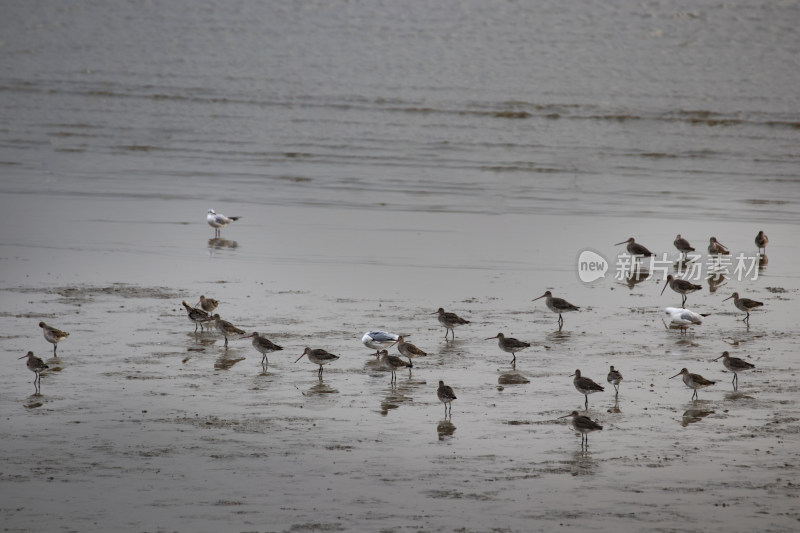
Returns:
(318, 357)
(693, 381)
(636, 249)
(557, 305)
(744, 304)
(681, 286)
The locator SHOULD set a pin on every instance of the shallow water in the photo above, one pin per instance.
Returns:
(387, 161)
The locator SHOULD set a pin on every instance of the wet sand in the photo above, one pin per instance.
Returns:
(143, 425)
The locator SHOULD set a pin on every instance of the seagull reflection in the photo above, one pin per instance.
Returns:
(219, 244)
(694, 415)
(445, 429)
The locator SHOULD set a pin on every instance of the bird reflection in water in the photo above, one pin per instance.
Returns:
(636, 276)
(445, 429)
(763, 261)
(716, 280)
(397, 394)
(220, 244)
(320, 389)
(225, 362)
(694, 415)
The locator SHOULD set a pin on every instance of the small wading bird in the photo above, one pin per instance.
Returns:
(735, 365)
(446, 396)
(198, 316)
(378, 340)
(218, 221)
(53, 335)
(717, 248)
(557, 305)
(693, 381)
(408, 350)
(208, 304)
(681, 286)
(393, 363)
(510, 345)
(449, 321)
(318, 357)
(226, 328)
(583, 425)
(743, 304)
(263, 345)
(761, 241)
(35, 365)
(585, 386)
(683, 318)
(636, 249)
(615, 378)
(682, 245)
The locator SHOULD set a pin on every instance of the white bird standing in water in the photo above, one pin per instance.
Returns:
(683, 318)
(218, 221)
(378, 340)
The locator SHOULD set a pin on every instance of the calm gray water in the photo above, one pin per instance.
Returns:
(637, 108)
(390, 158)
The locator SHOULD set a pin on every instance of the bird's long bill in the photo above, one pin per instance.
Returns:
(665, 287)
(490, 338)
(296, 360)
(23, 357)
(676, 375)
(623, 242)
(728, 298)
(542, 296)
(571, 375)
(722, 244)
(565, 416)
(248, 336)
(718, 358)
(435, 313)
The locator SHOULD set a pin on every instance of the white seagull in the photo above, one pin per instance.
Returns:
(218, 221)
(683, 318)
(378, 340)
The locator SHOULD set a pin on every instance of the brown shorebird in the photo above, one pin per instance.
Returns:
(510, 345)
(35, 365)
(585, 386)
(449, 321)
(218, 221)
(393, 363)
(557, 305)
(744, 304)
(681, 286)
(198, 316)
(226, 328)
(208, 304)
(407, 349)
(735, 365)
(682, 245)
(263, 345)
(446, 396)
(615, 378)
(378, 340)
(53, 335)
(693, 381)
(636, 249)
(761, 241)
(717, 248)
(318, 357)
(583, 425)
